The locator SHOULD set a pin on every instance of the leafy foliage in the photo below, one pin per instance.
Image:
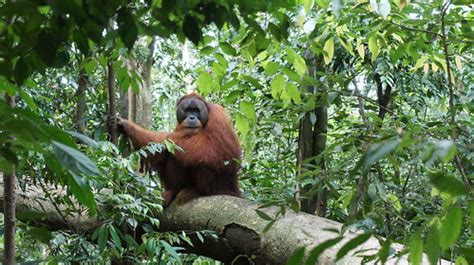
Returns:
(403, 169)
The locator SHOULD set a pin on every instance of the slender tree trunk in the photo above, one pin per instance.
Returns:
(81, 102)
(132, 105)
(144, 116)
(9, 206)
(112, 111)
(383, 96)
(311, 144)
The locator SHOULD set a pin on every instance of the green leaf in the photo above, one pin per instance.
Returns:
(271, 68)
(460, 260)
(22, 70)
(81, 191)
(353, 243)
(395, 202)
(227, 48)
(277, 86)
(377, 152)
(308, 4)
(102, 237)
(242, 124)
(127, 28)
(419, 63)
(207, 50)
(432, 247)
(248, 109)
(171, 250)
(263, 215)
(373, 47)
(115, 236)
(30, 102)
(360, 49)
(385, 250)
(205, 82)
(316, 252)
(8, 155)
(416, 249)
(328, 50)
(191, 29)
(84, 139)
(40, 233)
(293, 92)
(74, 160)
(297, 257)
(300, 65)
(450, 227)
(448, 184)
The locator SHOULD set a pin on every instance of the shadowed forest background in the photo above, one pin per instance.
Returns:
(356, 111)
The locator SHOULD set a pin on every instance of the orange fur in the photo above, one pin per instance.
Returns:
(207, 165)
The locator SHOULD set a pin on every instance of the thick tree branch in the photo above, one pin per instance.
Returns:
(237, 225)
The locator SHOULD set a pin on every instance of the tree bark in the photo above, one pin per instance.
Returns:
(238, 227)
(112, 111)
(144, 116)
(311, 143)
(383, 96)
(81, 102)
(9, 205)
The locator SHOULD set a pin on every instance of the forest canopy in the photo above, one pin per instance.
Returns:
(356, 111)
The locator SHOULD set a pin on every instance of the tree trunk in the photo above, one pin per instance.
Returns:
(9, 205)
(239, 229)
(81, 102)
(144, 115)
(311, 144)
(112, 111)
(383, 96)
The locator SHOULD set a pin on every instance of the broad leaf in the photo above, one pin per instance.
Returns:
(416, 249)
(448, 184)
(352, 244)
(328, 50)
(450, 228)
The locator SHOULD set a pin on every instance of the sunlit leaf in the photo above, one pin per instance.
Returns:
(416, 249)
(248, 109)
(360, 49)
(277, 86)
(450, 227)
(242, 124)
(293, 92)
(300, 65)
(271, 68)
(308, 4)
(395, 202)
(419, 63)
(373, 47)
(205, 83)
(458, 61)
(328, 50)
